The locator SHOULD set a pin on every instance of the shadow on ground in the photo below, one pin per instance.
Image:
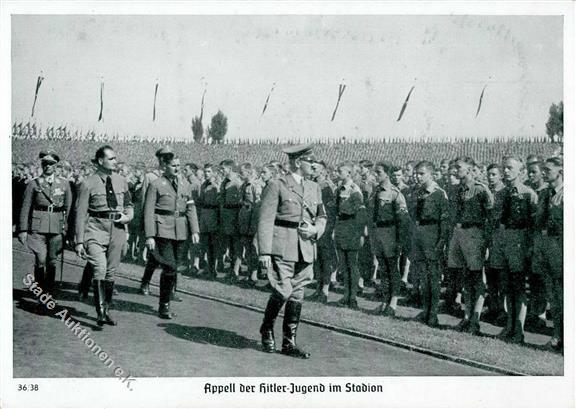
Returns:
(211, 336)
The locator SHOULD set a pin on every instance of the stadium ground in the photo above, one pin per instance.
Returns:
(207, 338)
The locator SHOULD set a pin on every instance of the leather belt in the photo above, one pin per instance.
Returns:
(51, 208)
(426, 222)
(163, 212)
(551, 232)
(515, 226)
(209, 206)
(286, 223)
(346, 216)
(386, 224)
(105, 214)
(236, 206)
(469, 225)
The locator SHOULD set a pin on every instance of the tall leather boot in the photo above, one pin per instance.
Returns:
(290, 327)
(173, 295)
(99, 297)
(108, 293)
(166, 284)
(275, 303)
(50, 279)
(84, 286)
(40, 276)
(151, 265)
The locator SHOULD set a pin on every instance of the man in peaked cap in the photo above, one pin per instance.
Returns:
(169, 220)
(151, 263)
(47, 201)
(292, 218)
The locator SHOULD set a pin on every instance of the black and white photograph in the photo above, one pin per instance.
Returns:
(281, 204)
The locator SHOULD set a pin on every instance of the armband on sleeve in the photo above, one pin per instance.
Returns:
(321, 212)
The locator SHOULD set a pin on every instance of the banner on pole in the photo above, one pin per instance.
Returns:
(38, 83)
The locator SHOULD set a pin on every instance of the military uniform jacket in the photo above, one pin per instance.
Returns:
(498, 200)
(329, 200)
(92, 198)
(148, 178)
(162, 197)
(432, 208)
(367, 187)
(474, 204)
(230, 203)
(208, 207)
(519, 207)
(39, 195)
(284, 200)
(195, 186)
(550, 215)
(250, 193)
(351, 216)
(390, 209)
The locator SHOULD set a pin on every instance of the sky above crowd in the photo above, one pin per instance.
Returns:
(238, 59)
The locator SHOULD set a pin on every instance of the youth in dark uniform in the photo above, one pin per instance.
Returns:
(389, 230)
(250, 193)
(325, 262)
(208, 215)
(538, 298)
(429, 238)
(349, 232)
(367, 264)
(519, 206)
(230, 203)
(470, 239)
(550, 222)
(190, 171)
(495, 263)
(292, 218)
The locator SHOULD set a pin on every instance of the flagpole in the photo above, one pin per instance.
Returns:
(341, 88)
(405, 104)
(38, 84)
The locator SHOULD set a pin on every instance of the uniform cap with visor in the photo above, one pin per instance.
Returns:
(49, 157)
(302, 152)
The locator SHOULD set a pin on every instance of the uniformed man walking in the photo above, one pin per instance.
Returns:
(169, 218)
(45, 206)
(151, 263)
(292, 218)
(103, 209)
